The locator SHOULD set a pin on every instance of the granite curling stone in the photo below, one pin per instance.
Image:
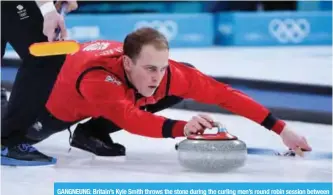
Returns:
(219, 152)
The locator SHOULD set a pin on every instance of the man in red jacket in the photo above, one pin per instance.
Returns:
(120, 86)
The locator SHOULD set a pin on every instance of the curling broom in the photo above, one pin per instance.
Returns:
(55, 47)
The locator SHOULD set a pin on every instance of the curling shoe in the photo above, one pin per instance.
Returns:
(98, 144)
(24, 155)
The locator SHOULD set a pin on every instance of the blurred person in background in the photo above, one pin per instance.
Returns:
(25, 23)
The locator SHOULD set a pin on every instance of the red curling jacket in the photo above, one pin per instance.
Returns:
(92, 83)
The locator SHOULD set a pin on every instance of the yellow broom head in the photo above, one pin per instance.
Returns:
(54, 48)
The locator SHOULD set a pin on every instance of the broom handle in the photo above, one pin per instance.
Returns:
(63, 13)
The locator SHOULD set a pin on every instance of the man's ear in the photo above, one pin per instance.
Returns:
(127, 63)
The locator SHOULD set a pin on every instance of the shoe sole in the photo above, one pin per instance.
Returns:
(5, 161)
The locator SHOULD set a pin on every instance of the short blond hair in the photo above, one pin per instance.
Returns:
(143, 36)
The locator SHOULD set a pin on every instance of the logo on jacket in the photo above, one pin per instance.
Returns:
(96, 46)
(112, 51)
(112, 79)
(168, 28)
(289, 30)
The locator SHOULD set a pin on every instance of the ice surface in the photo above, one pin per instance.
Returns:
(305, 64)
(300, 65)
(151, 159)
(156, 159)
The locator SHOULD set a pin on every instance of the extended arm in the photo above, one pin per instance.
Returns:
(109, 99)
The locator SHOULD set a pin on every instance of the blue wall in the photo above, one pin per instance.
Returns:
(206, 29)
(274, 28)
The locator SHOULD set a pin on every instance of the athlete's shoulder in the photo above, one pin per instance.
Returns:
(176, 66)
(99, 48)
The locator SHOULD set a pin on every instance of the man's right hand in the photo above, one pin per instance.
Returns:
(198, 124)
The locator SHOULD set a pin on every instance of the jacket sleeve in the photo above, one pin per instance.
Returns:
(203, 88)
(106, 96)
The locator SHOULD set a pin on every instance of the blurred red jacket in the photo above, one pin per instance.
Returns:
(92, 83)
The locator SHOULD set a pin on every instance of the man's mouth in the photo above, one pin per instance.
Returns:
(152, 87)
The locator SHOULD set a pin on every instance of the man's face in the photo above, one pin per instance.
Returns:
(147, 71)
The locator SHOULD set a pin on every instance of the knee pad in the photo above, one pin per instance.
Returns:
(38, 133)
(45, 126)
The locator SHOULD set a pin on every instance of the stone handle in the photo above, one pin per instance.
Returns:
(220, 127)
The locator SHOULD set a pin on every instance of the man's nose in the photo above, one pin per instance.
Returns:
(157, 77)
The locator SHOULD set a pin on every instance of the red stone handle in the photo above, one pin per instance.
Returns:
(222, 134)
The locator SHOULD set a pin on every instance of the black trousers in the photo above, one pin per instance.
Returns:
(99, 127)
(22, 25)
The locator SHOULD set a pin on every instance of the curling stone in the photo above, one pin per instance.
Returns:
(218, 152)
